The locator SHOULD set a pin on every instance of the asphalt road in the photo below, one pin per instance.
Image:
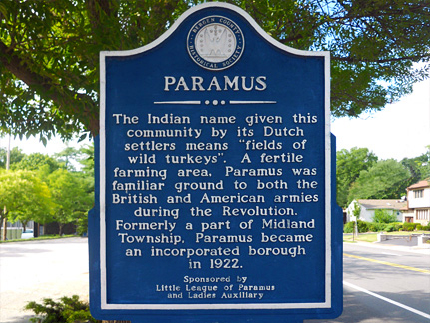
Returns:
(380, 284)
(384, 284)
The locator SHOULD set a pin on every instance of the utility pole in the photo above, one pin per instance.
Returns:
(4, 209)
(8, 153)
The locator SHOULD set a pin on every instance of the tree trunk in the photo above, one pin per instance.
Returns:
(4, 227)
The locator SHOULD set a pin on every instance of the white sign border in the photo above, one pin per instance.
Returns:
(213, 306)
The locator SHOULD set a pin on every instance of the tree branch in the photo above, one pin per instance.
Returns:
(95, 8)
(379, 61)
(63, 97)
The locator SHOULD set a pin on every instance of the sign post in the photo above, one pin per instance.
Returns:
(215, 185)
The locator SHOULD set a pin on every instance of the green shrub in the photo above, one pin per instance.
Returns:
(382, 226)
(378, 227)
(371, 227)
(419, 227)
(391, 227)
(82, 226)
(362, 226)
(348, 227)
(426, 228)
(67, 310)
(409, 226)
(384, 216)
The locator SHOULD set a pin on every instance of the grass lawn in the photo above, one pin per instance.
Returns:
(363, 237)
(54, 236)
(372, 237)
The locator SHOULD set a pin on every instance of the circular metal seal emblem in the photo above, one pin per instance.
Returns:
(215, 43)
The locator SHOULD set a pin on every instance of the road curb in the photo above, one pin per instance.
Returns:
(413, 249)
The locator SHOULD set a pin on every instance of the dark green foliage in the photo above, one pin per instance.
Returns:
(391, 227)
(68, 193)
(35, 161)
(376, 227)
(348, 227)
(360, 175)
(372, 227)
(418, 167)
(16, 155)
(349, 164)
(67, 310)
(409, 226)
(387, 179)
(385, 227)
(82, 225)
(363, 226)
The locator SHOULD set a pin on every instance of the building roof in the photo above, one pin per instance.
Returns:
(420, 184)
(383, 204)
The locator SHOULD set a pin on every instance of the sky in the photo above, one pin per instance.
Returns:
(400, 130)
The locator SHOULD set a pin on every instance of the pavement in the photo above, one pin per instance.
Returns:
(391, 246)
(35, 270)
(402, 244)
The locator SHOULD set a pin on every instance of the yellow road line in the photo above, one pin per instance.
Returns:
(425, 271)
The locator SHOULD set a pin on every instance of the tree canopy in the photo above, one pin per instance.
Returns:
(36, 161)
(16, 155)
(49, 52)
(44, 189)
(387, 179)
(25, 196)
(418, 166)
(69, 197)
(349, 164)
(360, 175)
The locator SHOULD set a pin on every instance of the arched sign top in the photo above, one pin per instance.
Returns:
(221, 5)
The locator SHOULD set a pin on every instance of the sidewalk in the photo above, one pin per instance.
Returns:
(34, 270)
(388, 246)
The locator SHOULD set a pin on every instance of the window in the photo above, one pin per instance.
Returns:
(423, 215)
(418, 194)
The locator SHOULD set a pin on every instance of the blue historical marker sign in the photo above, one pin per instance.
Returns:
(215, 178)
